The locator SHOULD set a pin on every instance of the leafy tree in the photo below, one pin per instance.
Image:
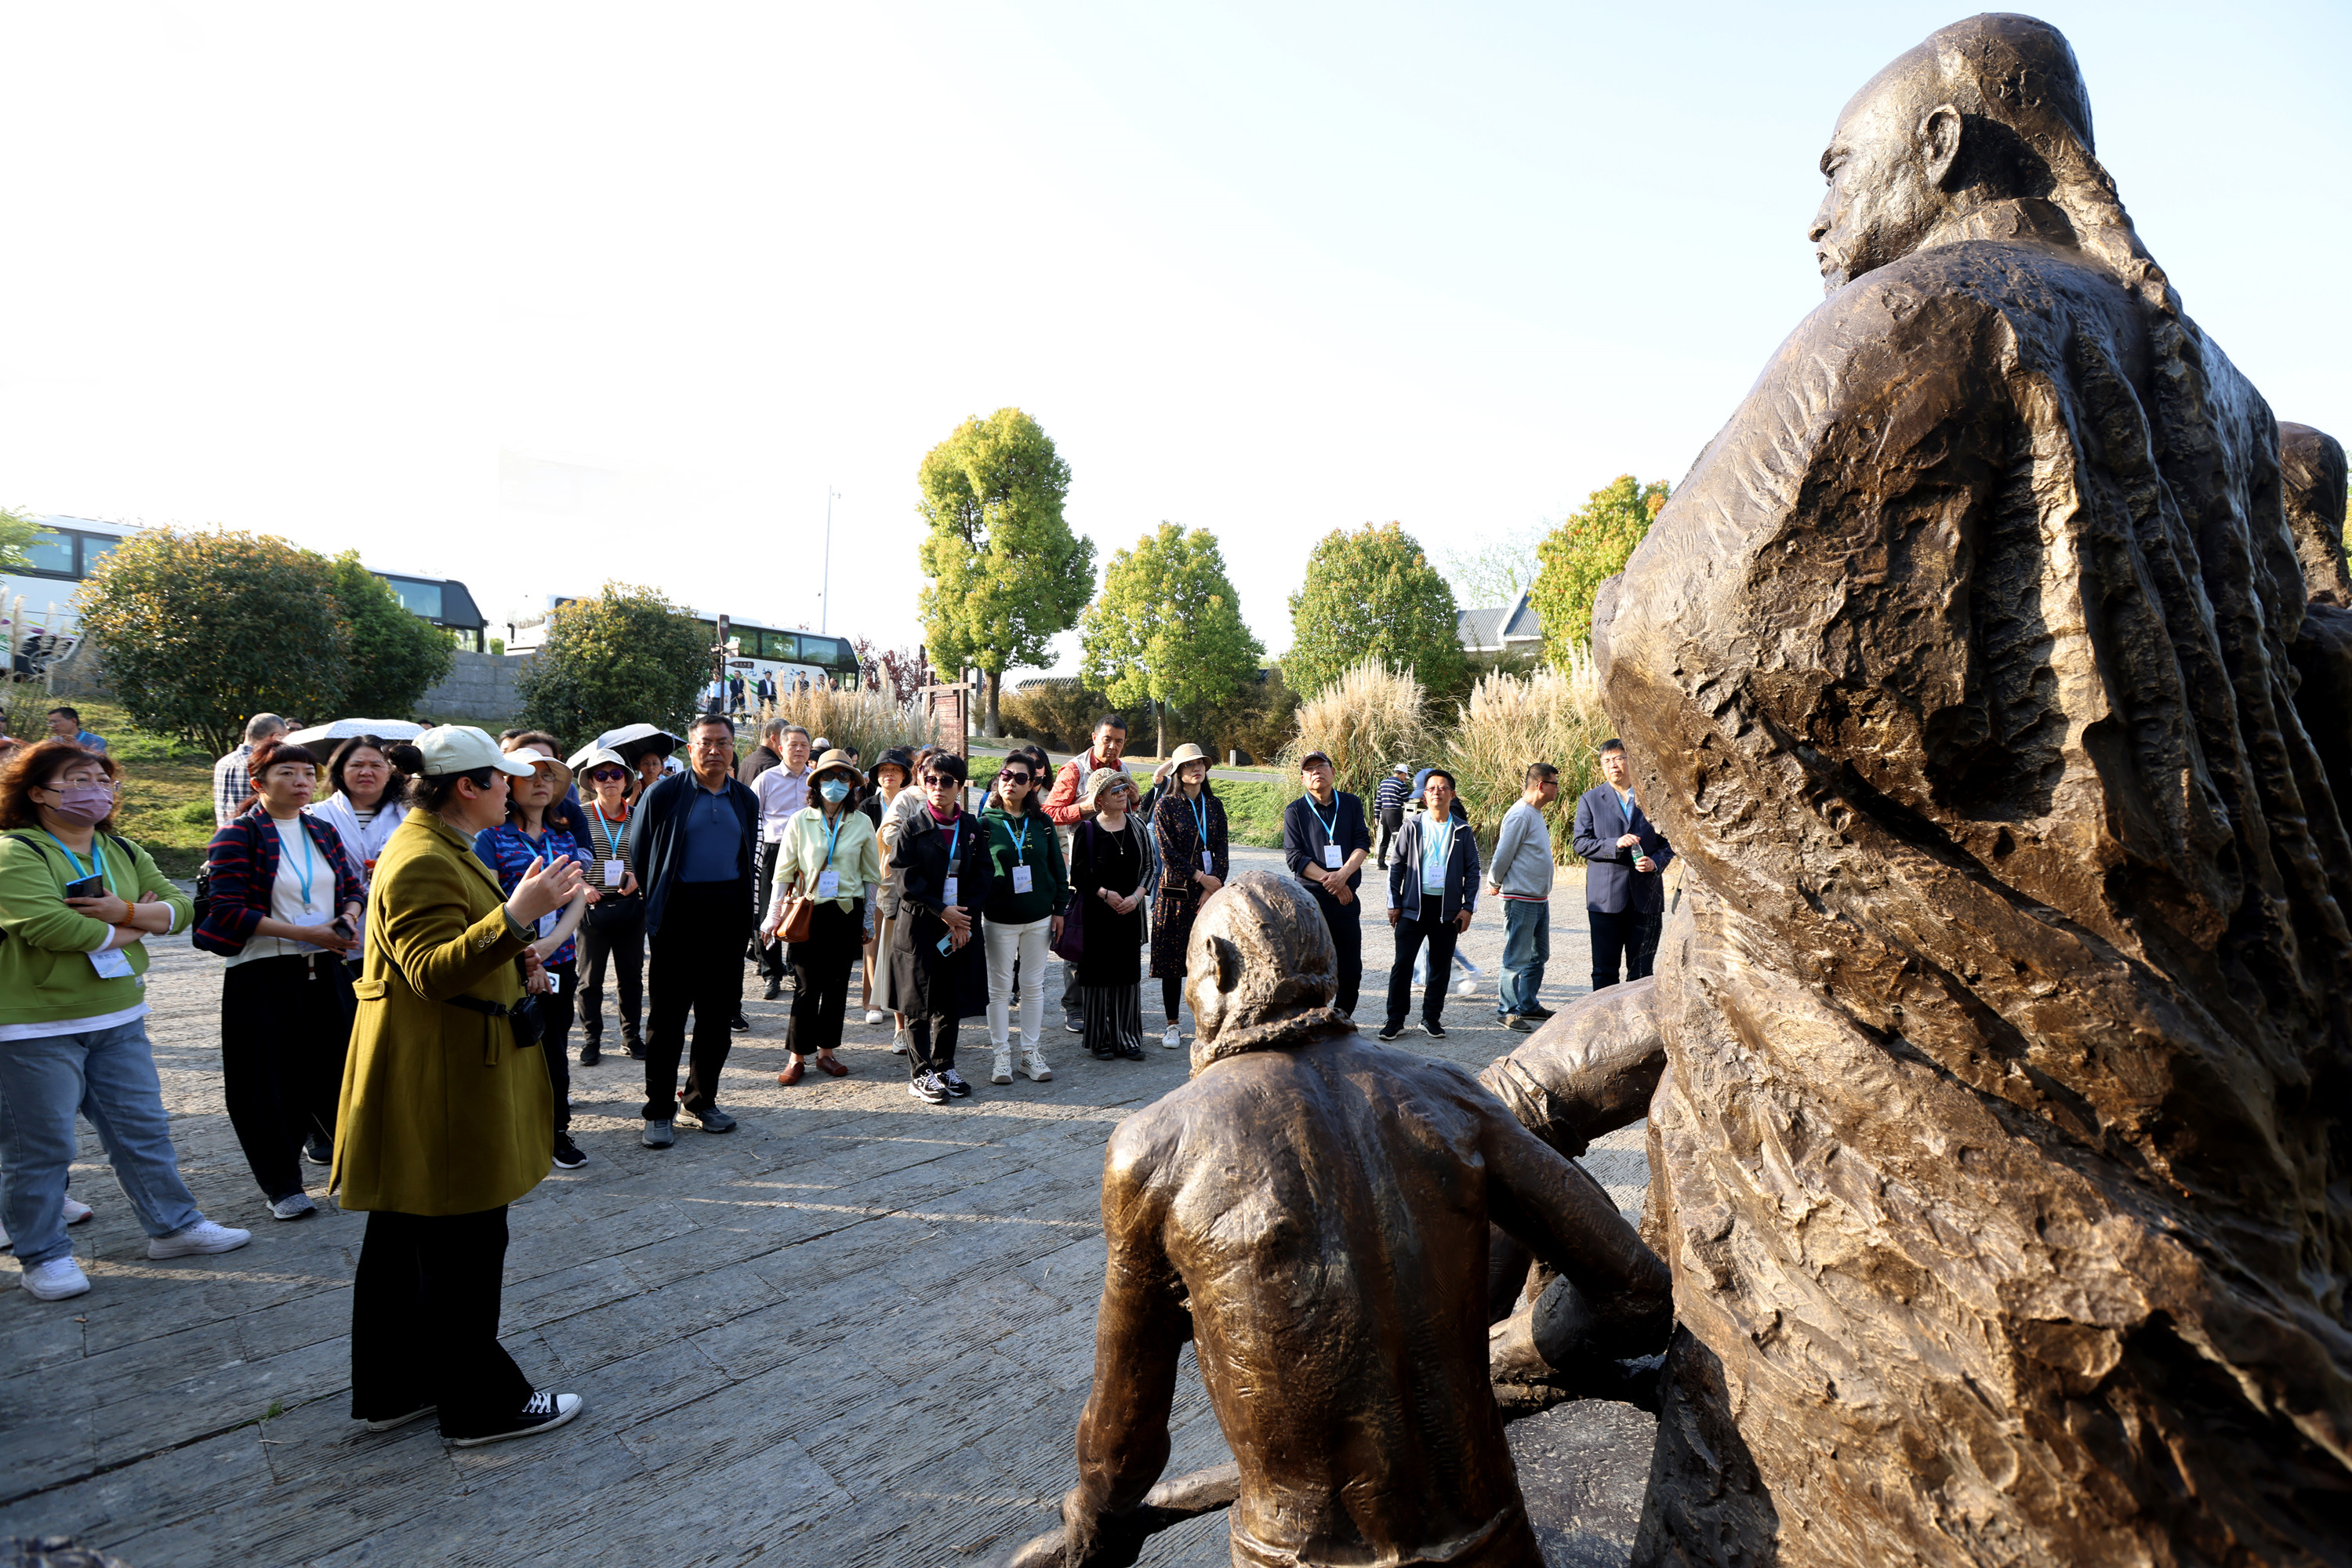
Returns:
(200, 629)
(1494, 572)
(1588, 548)
(1167, 629)
(395, 656)
(627, 655)
(1006, 574)
(17, 531)
(1372, 595)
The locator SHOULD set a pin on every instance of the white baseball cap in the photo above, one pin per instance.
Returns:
(461, 748)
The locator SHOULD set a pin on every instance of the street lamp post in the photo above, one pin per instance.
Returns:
(824, 593)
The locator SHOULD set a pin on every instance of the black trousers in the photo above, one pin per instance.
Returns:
(820, 970)
(1346, 923)
(285, 1026)
(1171, 995)
(930, 1042)
(1439, 933)
(771, 957)
(555, 1008)
(1632, 934)
(696, 965)
(1391, 824)
(623, 945)
(425, 1322)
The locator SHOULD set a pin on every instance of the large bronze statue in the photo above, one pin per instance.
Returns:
(2001, 1155)
(1312, 1210)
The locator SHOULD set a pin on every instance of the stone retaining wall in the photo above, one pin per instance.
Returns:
(478, 690)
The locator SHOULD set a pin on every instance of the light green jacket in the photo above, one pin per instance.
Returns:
(46, 974)
(801, 856)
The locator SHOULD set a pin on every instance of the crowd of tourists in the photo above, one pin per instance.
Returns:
(400, 921)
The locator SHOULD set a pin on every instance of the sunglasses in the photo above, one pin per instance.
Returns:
(1013, 778)
(936, 779)
(608, 775)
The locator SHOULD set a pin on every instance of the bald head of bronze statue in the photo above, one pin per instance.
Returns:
(1260, 970)
(1991, 109)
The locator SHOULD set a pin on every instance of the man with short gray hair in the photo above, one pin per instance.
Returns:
(230, 784)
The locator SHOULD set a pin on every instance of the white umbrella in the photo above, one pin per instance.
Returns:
(344, 729)
(630, 741)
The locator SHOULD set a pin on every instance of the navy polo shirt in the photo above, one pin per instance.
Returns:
(714, 836)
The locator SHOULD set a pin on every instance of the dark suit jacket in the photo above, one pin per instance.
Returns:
(1610, 884)
(656, 840)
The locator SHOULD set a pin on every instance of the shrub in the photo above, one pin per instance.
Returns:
(1058, 712)
(396, 656)
(627, 655)
(871, 720)
(1552, 716)
(1259, 718)
(1588, 548)
(1368, 720)
(199, 630)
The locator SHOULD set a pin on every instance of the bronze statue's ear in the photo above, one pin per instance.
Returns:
(1229, 963)
(1940, 141)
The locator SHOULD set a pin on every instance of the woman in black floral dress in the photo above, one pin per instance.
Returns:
(1106, 861)
(1188, 824)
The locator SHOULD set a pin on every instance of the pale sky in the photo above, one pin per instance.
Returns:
(535, 296)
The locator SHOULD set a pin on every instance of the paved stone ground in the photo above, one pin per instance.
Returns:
(857, 1331)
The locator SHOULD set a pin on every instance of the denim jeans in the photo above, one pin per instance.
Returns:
(109, 1076)
(1527, 948)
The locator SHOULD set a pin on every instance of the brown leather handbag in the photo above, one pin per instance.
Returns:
(798, 908)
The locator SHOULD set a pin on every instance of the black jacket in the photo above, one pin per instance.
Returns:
(930, 982)
(1303, 835)
(656, 840)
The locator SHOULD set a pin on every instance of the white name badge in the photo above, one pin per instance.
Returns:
(1330, 856)
(1023, 878)
(111, 963)
(547, 923)
(947, 893)
(611, 873)
(828, 884)
(1208, 863)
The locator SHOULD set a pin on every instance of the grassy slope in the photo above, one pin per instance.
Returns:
(167, 790)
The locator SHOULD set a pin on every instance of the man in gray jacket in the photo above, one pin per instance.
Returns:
(1521, 877)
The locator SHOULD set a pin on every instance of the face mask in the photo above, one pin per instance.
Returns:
(85, 803)
(833, 790)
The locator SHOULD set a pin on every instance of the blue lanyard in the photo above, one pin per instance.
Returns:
(539, 851)
(953, 841)
(1330, 828)
(1201, 816)
(612, 839)
(834, 837)
(1020, 839)
(310, 862)
(96, 860)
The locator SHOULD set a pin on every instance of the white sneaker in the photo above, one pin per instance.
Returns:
(293, 1206)
(77, 1213)
(875, 1015)
(1171, 1040)
(1003, 1070)
(1032, 1062)
(202, 1237)
(55, 1279)
(898, 1043)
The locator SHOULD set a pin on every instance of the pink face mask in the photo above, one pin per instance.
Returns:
(84, 803)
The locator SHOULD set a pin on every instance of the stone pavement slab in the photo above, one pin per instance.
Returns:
(857, 1331)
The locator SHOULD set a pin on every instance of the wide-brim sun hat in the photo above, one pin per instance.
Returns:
(836, 762)
(460, 749)
(1102, 779)
(584, 764)
(538, 759)
(1187, 753)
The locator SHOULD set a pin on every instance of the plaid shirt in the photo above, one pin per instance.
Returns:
(508, 852)
(231, 785)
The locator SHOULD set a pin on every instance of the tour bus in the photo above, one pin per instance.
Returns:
(758, 649)
(66, 548)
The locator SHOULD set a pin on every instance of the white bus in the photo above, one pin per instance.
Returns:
(761, 649)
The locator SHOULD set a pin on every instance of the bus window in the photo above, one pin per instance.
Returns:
(94, 545)
(782, 646)
(418, 598)
(51, 553)
(830, 652)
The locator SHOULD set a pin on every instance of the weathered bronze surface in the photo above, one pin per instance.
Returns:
(1312, 1210)
(2001, 1155)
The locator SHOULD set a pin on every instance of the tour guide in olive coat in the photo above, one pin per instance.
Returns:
(441, 1113)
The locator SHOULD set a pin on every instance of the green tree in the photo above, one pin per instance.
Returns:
(17, 531)
(1006, 574)
(627, 655)
(200, 629)
(1587, 549)
(395, 656)
(1494, 572)
(1372, 595)
(1167, 629)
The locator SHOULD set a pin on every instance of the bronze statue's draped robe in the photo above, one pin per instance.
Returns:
(2000, 1157)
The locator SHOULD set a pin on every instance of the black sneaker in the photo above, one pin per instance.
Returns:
(1103, 1056)
(952, 1081)
(590, 1055)
(568, 1156)
(540, 1413)
(1390, 1031)
(775, 989)
(634, 1047)
(713, 1120)
(1075, 1025)
(1518, 1022)
(1538, 1014)
(1435, 1031)
(739, 1022)
(317, 1149)
(930, 1087)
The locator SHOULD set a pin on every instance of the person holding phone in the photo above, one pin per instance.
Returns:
(828, 853)
(285, 906)
(937, 975)
(76, 904)
(531, 835)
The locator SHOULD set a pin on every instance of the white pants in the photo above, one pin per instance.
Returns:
(1030, 942)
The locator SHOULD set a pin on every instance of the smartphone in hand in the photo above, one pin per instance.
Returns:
(90, 886)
